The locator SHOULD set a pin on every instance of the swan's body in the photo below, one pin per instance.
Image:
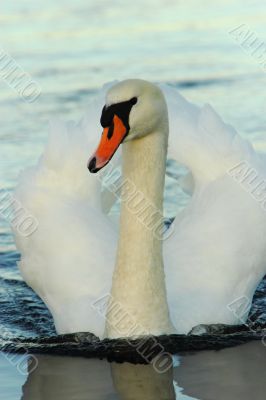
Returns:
(215, 255)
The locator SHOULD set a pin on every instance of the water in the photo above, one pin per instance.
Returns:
(71, 49)
(230, 374)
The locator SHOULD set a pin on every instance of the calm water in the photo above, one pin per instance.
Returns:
(71, 49)
(230, 374)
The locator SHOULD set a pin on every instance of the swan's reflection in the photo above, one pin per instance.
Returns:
(235, 373)
(137, 382)
(69, 378)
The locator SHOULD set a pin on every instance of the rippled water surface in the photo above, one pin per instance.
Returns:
(71, 49)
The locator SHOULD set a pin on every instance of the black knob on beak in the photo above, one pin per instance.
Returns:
(92, 165)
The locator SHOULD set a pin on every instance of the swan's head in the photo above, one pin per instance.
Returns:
(134, 108)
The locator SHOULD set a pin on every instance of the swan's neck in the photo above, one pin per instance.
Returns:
(138, 303)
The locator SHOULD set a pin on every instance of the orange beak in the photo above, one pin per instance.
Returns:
(112, 137)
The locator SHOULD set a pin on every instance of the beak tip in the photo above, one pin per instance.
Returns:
(92, 165)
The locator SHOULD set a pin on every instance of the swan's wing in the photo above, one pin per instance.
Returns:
(200, 140)
(216, 252)
(68, 260)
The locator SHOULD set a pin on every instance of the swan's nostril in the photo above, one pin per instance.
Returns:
(92, 165)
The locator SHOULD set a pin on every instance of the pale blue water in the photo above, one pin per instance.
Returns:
(71, 48)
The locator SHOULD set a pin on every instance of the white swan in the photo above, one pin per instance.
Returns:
(215, 256)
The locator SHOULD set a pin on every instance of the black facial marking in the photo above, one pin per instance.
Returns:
(122, 110)
(133, 100)
(110, 130)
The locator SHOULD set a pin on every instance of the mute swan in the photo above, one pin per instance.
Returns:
(215, 255)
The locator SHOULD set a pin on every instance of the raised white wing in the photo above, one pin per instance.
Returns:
(216, 253)
(69, 259)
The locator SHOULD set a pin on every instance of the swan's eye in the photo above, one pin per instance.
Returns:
(122, 110)
(133, 100)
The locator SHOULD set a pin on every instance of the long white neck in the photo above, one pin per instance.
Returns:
(138, 304)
